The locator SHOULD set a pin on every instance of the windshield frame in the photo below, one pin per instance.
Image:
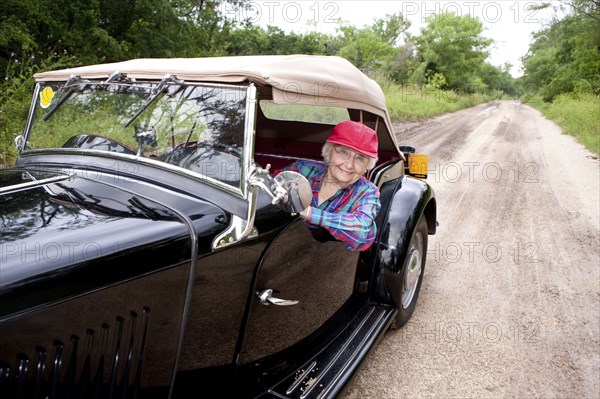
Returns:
(246, 155)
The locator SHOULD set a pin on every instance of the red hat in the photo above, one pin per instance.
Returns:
(355, 135)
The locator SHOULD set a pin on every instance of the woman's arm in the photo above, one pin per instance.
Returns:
(355, 227)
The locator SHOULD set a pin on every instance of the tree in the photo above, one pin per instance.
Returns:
(497, 78)
(252, 40)
(402, 66)
(48, 34)
(451, 45)
(46, 27)
(565, 56)
(375, 47)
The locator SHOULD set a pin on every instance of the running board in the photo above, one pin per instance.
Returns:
(325, 375)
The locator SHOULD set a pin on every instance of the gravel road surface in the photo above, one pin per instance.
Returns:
(510, 301)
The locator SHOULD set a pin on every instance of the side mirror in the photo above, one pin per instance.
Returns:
(289, 190)
(19, 143)
(298, 192)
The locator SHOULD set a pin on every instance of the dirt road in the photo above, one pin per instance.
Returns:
(510, 301)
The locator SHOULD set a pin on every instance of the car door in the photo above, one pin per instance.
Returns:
(296, 267)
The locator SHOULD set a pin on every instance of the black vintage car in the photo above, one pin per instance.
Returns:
(150, 246)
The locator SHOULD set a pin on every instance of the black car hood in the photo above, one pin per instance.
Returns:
(81, 234)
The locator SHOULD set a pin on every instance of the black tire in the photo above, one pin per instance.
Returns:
(411, 275)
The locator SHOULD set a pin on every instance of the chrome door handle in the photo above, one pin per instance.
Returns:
(266, 299)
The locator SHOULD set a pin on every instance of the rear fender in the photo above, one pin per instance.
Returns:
(408, 199)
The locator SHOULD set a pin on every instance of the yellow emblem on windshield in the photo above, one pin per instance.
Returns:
(46, 97)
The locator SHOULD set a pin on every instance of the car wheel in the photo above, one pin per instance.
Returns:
(411, 275)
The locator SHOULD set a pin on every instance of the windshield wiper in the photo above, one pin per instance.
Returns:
(73, 82)
(164, 83)
(117, 76)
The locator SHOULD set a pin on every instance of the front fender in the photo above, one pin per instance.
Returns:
(406, 201)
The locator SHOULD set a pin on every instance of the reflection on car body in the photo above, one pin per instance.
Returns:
(151, 246)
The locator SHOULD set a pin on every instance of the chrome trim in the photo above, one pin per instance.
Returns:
(239, 228)
(32, 184)
(266, 299)
(141, 160)
(249, 138)
(411, 279)
(388, 173)
(19, 142)
(27, 128)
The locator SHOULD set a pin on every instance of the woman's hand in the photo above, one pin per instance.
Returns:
(305, 214)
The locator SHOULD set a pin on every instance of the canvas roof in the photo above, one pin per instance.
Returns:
(304, 79)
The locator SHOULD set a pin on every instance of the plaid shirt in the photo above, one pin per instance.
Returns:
(349, 215)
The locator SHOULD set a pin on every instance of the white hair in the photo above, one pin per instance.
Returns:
(327, 148)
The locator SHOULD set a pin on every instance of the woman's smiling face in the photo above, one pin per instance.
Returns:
(346, 166)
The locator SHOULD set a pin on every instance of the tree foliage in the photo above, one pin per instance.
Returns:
(565, 56)
(452, 46)
(375, 47)
(112, 30)
(252, 40)
(449, 53)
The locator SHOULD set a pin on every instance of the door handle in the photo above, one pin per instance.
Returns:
(266, 299)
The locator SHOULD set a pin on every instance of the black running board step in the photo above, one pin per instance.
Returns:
(323, 376)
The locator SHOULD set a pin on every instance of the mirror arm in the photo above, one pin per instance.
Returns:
(289, 190)
(276, 191)
(241, 229)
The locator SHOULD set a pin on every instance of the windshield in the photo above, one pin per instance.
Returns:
(199, 128)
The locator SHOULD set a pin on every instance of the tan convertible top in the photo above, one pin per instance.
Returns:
(304, 79)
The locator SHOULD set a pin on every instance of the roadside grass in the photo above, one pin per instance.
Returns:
(577, 115)
(413, 103)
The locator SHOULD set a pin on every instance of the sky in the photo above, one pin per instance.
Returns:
(509, 23)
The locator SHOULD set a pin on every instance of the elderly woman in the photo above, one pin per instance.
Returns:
(344, 203)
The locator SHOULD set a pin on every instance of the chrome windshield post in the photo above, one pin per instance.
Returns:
(240, 229)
